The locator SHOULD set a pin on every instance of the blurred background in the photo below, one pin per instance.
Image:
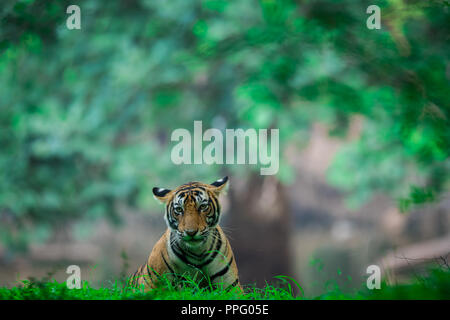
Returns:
(363, 115)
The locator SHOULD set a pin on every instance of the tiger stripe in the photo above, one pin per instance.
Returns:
(223, 271)
(193, 243)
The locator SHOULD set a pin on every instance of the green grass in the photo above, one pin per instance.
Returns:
(435, 285)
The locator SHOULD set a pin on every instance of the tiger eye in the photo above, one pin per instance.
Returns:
(178, 210)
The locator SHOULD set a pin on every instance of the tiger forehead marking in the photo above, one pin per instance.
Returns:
(191, 192)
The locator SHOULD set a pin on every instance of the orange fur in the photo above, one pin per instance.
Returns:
(207, 255)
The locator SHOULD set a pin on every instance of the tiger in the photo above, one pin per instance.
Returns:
(194, 244)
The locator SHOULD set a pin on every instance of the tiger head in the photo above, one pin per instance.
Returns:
(192, 209)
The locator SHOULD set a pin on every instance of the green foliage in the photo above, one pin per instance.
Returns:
(186, 290)
(433, 285)
(86, 115)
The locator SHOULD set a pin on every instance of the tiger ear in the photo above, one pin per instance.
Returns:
(219, 185)
(161, 194)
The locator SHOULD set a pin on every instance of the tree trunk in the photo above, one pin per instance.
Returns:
(258, 223)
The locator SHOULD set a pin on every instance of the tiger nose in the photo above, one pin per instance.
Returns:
(191, 232)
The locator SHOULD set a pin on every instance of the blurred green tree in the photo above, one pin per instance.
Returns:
(86, 115)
